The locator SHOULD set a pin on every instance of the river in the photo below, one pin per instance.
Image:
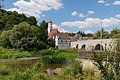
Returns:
(23, 63)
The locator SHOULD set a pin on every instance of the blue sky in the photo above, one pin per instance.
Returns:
(71, 15)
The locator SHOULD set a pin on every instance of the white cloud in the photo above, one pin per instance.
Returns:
(59, 28)
(107, 4)
(89, 31)
(93, 22)
(116, 3)
(117, 16)
(104, 2)
(36, 7)
(74, 13)
(91, 12)
(43, 15)
(101, 1)
(82, 15)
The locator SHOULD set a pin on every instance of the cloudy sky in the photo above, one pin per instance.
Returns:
(71, 15)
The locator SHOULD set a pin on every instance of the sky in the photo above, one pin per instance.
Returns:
(71, 15)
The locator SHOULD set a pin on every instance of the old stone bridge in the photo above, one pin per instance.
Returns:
(96, 44)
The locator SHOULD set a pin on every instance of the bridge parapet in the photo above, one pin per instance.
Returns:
(96, 44)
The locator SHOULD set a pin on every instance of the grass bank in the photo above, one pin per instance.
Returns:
(11, 53)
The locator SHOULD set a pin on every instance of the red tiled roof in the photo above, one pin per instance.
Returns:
(52, 32)
(63, 36)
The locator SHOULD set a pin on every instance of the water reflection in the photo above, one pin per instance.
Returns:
(22, 64)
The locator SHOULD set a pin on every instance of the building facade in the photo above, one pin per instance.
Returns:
(62, 40)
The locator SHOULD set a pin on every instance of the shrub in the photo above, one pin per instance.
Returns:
(46, 52)
(56, 56)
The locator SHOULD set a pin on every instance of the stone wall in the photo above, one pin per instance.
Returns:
(96, 44)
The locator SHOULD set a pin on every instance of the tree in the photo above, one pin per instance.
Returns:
(51, 43)
(4, 39)
(116, 36)
(101, 34)
(89, 35)
(81, 33)
(115, 33)
(10, 19)
(32, 20)
(42, 33)
(23, 36)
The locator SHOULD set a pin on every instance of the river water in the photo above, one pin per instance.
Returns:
(23, 63)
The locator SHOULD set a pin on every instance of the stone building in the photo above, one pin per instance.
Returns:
(62, 40)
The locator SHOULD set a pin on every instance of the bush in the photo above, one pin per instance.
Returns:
(45, 52)
(56, 56)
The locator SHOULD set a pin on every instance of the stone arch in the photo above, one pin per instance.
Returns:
(77, 46)
(83, 47)
(99, 47)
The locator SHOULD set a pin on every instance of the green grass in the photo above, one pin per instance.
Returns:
(11, 53)
(33, 73)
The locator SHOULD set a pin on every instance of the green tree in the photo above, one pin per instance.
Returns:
(89, 35)
(4, 39)
(42, 33)
(10, 19)
(51, 43)
(115, 33)
(32, 20)
(81, 33)
(101, 34)
(23, 36)
(116, 36)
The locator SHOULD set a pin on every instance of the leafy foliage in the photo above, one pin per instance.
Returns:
(26, 37)
(109, 63)
(2, 25)
(29, 74)
(9, 19)
(56, 57)
(4, 39)
(77, 72)
(115, 33)
(104, 34)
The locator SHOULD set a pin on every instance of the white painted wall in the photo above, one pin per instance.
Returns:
(62, 43)
(49, 27)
